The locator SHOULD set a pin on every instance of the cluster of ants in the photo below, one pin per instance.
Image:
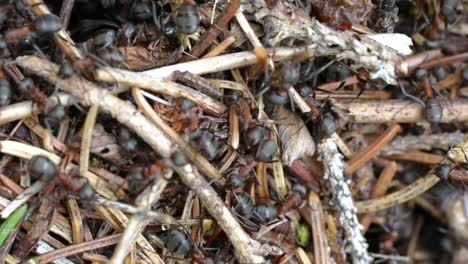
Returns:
(183, 113)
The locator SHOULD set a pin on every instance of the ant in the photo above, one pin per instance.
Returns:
(46, 171)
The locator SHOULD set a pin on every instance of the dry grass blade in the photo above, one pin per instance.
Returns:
(317, 224)
(87, 137)
(263, 194)
(302, 256)
(76, 249)
(76, 221)
(22, 198)
(233, 128)
(409, 192)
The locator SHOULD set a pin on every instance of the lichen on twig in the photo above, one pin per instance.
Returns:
(342, 199)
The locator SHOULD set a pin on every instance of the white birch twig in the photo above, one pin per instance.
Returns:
(334, 172)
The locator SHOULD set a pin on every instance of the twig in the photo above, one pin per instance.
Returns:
(137, 223)
(220, 47)
(22, 198)
(88, 94)
(401, 111)
(76, 249)
(25, 109)
(65, 12)
(444, 60)
(219, 63)
(403, 144)
(159, 85)
(359, 159)
(130, 209)
(419, 157)
(221, 24)
(416, 60)
(334, 172)
(248, 31)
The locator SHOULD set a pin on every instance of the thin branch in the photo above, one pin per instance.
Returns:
(76, 249)
(65, 12)
(25, 109)
(401, 111)
(222, 62)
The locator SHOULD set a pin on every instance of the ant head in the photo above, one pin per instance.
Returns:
(42, 167)
(47, 24)
(267, 151)
(6, 92)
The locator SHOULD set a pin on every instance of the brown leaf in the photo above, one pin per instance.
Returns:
(103, 144)
(159, 53)
(295, 139)
(336, 12)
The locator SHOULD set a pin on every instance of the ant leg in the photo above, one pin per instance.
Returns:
(410, 96)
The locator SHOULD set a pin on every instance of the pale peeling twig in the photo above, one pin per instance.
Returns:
(403, 144)
(401, 111)
(158, 85)
(219, 63)
(25, 109)
(22, 198)
(334, 171)
(87, 138)
(120, 221)
(137, 223)
(88, 93)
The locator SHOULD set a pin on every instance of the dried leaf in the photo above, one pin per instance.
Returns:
(158, 53)
(295, 139)
(337, 12)
(103, 144)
